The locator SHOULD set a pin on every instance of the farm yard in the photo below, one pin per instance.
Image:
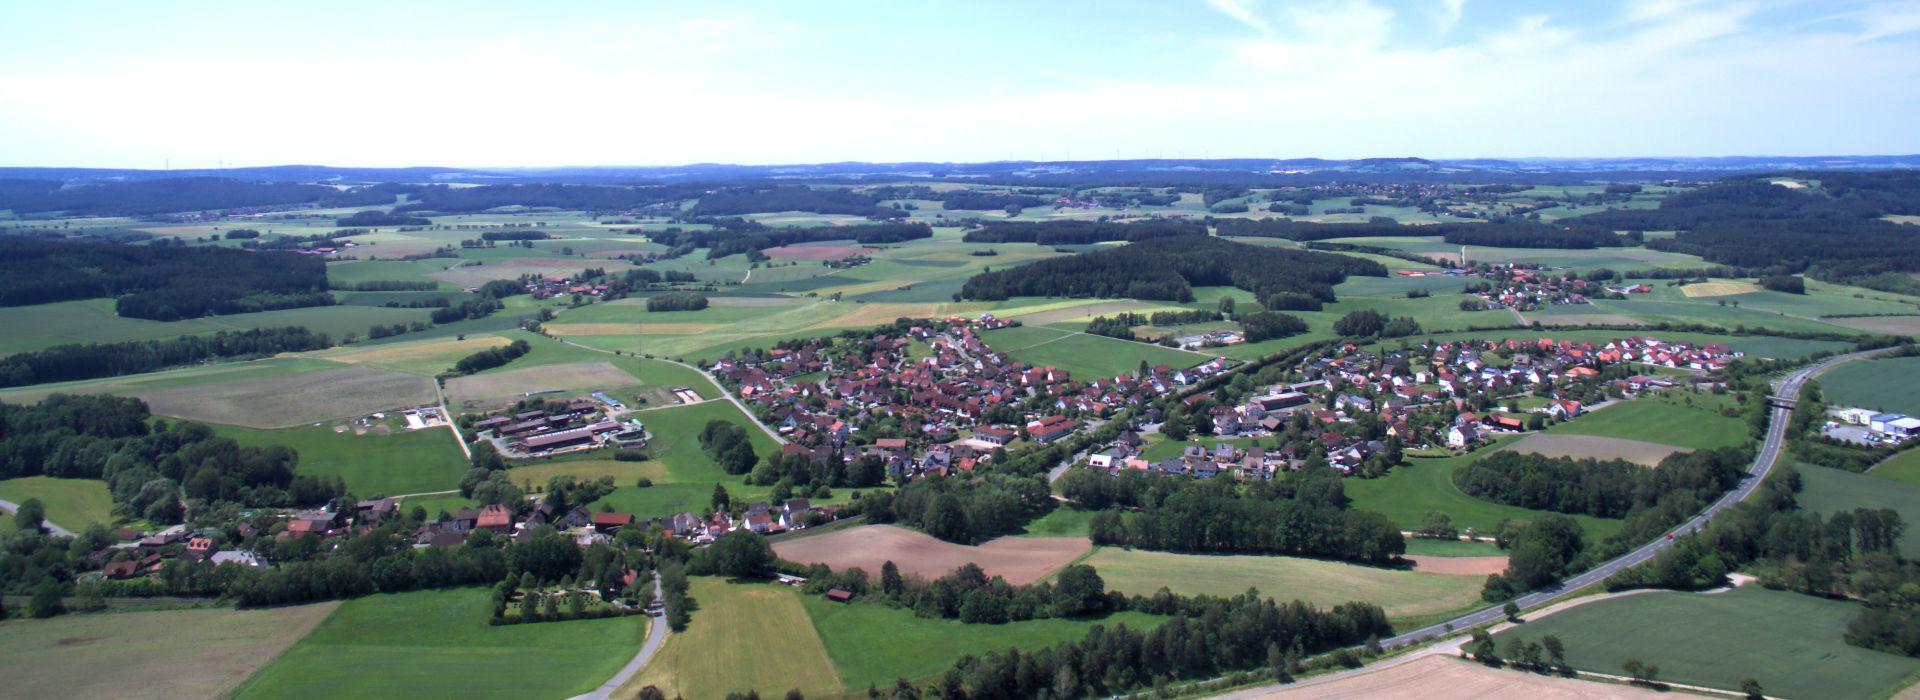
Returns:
(1406, 595)
(1789, 642)
(203, 653)
(1020, 560)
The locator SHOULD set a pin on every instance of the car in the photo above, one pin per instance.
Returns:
(1669, 535)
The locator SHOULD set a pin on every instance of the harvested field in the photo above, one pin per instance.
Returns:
(1596, 447)
(1719, 289)
(752, 302)
(1088, 311)
(573, 329)
(148, 654)
(1458, 566)
(1585, 320)
(882, 314)
(1021, 560)
(296, 399)
(501, 388)
(1894, 325)
(419, 357)
(817, 252)
(1444, 677)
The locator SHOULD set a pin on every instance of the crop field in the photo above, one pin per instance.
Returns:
(1791, 643)
(70, 503)
(1663, 418)
(506, 268)
(1595, 447)
(1084, 357)
(138, 384)
(438, 644)
(202, 653)
(503, 387)
(918, 648)
(374, 464)
(1404, 594)
(1430, 548)
(726, 648)
(1903, 467)
(1713, 314)
(1580, 260)
(1889, 384)
(1448, 678)
(1719, 289)
(1020, 560)
(295, 399)
(1827, 491)
(623, 473)
(1889, 325)
(427, 357)
(1408, 492)
(25, 328)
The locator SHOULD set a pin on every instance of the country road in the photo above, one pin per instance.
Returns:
(656, 636)
(55, 530)
(1763, 463)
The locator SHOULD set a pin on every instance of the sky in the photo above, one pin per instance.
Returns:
(98, 83)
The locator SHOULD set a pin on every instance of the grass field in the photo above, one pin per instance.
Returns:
(623, 473)
(438, 644)
(743, 637)
(404, 461)
(916, 647)
(1903, 468)
(1408, 492)
(149, 654)
(1084, 357)
(1403, 594)
(1425, 547)
(287, 400)
(686, 475)
(70, 503)
(1663, 418)
(1594, 447)
(1791, 643)
(24, 328)
(498, 389)
(1062, 522)
(425, 357)
(1826, 491)
(1890, 384)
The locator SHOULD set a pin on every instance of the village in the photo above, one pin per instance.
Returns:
(1354, 409)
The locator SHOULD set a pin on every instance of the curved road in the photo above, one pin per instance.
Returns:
(10, 507)
(656, 636)
(1762, 465)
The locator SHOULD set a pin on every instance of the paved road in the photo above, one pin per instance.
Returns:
(656, 636)
(55, 530)
(716, 383)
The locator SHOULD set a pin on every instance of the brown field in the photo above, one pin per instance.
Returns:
(565, 329)
(476, 275)
(403, 352)
(1021, 560)
(1585, 320)
(1459, 566)
(148, 654)
(494, 389)
(1596, 447)
(295, 399)
(1719, 289)
(1894, 325)
(1446, 678)
(817, 252)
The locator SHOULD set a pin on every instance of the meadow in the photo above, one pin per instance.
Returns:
(372, 464)
(1411, 598)
(1677, 418)
(200, 653)
(1903, 468)
(1791, 643)
(438, 644)
(1084, 357)
(1827, 491)
(1890, 384)
(686, 474)
(286, 400)
(1408, 492)
(25, 328)
(70, 503)
(743, 637)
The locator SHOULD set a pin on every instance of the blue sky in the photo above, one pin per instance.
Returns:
(136, 84)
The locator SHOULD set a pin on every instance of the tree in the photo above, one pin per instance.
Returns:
(1556, 651)
(741, 554)
(1078, 591)
(1511, 610)
(30, 516)
(1481, 647)
(1226, 306)
(1438, 525)
(891, 582)
(1751, 688)
(721, 501)
(46, 599)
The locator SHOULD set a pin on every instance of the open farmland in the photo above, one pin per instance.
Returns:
(1403, 594)
(822, 250)
(501, 388)
(507, 268)
(290, 400)
(429, 357)
(438, 644)
(723, 649)
(1890, 325)
(1789, 642)
(70, 503)
(376, 463)
(24, 328)
(1408, 492)
(1445, 678)
(1085, 357)
(1665, 418)
(684, 476)
(1887, 384)
(1020, 560)
(1595, 447)
(1903, 467)
(199, 375)
(1827, 491)
(148, 654)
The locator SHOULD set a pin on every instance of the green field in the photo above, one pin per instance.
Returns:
(24, 328)
(744, 637)
(1408, 492)
(1664, 418)
(1826, 491)
(404, 461)
(1061, 522)
(1903, 467)
(70, 503)
(1084, 357)
(201, 653)
(1891, 384)
(687, 474)
(1791, 643)
(438, 644)
(873, 644)
(1405, 595)
(1427, 547)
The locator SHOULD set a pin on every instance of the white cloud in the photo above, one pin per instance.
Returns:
(1883, 20)
(1449, 14)
(1242, 11)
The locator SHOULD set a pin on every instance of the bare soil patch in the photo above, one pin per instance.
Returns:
(495, 389)
(1448, 678)
(294, 399)
(1021, 560)
(1596, 447)
(1719, 289)
(817, 252)
(1458, 566)
(1895, 325)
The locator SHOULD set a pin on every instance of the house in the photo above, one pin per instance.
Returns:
(761, 522)
(201, 548)
(237, 556)
(1461, 436)
(994, 436)
(609, 523)
(495, 517)
(1564, 409)
(840, 595)
(1051, 428)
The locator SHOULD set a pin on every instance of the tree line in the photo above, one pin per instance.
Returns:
(729, 445)
(1303, 513)
(160, 283)
(1081, 232)
(63, 363)
(1601, 488)
(492, 357)
(747, 237)
(147, 197)
(1506, 234)
(375, 217)
(677, 301)
(1169, 268)
(754, 199)
(964, 509)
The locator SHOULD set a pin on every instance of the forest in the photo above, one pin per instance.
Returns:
(64, 363)
(593, 198)
(676, 301)
(736, 237)
(1169, 268)
(1600, 488)
(754, 199)
(375, 217)
(967, 510)
(1304, 514)
(156, 282)
(1075, 232)
(1515, 234)
(148, 197)
(492, 357)
(990, 201)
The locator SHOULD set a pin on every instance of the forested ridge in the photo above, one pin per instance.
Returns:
(441, 198)
(755, 199)
(736, 237)
(1513, 234)
(145, 197)
(1075, 232)
(1168, 268)
(159, 282)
